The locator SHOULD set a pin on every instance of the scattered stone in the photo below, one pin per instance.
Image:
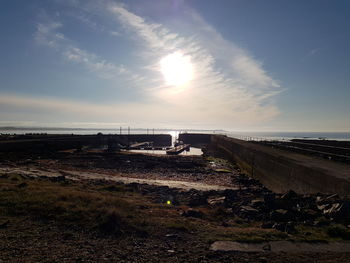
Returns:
(22, 185)
(282, 215)
(257, 202)
(327, 199)
(225, 224)
(248, 211)
(4, 224)
(239, 221)
(197, 200)
(143, 207)
(111, 188)
(216, 200)
(279, 226)
(267, 247)
(322, 221)
(230, 194)
(290, 195)
(286, 204)
(267, 225)
(331, 208)
(60, 178)
(288, 227)
(229, 211)
(269, 199)
(308, 214)
(172, 235)
(192, 213)
(222, 171)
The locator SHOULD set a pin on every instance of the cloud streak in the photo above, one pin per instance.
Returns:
(47, 34)
(42, 109)
(229, 87)
(239, 88)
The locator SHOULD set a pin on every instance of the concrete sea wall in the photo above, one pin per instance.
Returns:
(62, 142)
(281, 170)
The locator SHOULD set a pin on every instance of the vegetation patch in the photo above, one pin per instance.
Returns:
(339, 231)
(71, 206)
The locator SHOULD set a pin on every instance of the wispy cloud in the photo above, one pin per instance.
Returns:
(48, 109)
(47, 34)
(230, 87)
(44, 108)
(314, 51)
(115, 33)
(238, 88)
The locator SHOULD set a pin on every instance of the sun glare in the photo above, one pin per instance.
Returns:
(177, 69)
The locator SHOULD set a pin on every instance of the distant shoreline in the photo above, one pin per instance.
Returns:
(258, 135)
(106, 129)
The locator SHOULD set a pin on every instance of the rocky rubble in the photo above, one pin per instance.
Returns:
(253, 202)
(181, 221)
(250, 201)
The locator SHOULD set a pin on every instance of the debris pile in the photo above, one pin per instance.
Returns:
(253, 202)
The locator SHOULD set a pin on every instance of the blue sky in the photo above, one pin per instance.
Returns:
(255, 65)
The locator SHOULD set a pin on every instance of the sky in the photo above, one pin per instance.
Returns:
(274, 65)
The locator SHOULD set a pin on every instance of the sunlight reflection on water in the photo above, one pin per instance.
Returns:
(192, 151)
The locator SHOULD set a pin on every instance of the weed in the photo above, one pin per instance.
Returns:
(339, 231)
(110, 222)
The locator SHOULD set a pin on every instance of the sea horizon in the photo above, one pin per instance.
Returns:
(245, 135)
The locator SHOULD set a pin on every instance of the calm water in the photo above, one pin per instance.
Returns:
(192, 151)
(290, 135)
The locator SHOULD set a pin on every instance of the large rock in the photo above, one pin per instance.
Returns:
(192, 213)
(269, 199)
(197, 199)
(230, 194)
(290, 195)
(287, 201)
(282, 215)
(249, 212)
(340, 210)
(257, 203)
(333, 207)
(288, 227)
(216, 200)
(327, 199)
(308, 214)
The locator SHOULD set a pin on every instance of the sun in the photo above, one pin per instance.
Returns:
(177, 69)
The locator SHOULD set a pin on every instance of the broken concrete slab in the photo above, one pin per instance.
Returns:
(281, 246)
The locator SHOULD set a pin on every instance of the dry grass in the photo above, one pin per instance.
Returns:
(69, 204)
(113, 209)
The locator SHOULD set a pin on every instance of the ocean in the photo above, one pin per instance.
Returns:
(285, 136)
(240, 135)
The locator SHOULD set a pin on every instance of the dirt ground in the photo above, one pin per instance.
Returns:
(72, 207)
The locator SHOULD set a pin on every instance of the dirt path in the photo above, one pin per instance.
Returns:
(130, 178)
